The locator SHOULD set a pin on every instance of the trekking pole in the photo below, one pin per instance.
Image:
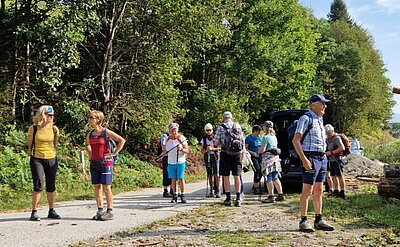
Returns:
(207, 164)
(166, 152)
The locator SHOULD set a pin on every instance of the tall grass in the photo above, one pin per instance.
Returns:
(383, 147)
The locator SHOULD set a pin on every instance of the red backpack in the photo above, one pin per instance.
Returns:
(346, 143)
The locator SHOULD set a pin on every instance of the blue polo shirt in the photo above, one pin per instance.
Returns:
(315, 140)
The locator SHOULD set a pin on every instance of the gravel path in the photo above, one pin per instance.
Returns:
(131, 210)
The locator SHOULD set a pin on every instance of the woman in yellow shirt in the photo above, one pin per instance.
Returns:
(42, 142)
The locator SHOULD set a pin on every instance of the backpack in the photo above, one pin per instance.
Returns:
(112, 145)
(159, 146)
(346, 143)
(291, 130)
(34, 134)
(232, 140)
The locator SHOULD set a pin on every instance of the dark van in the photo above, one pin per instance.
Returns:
(291, 168)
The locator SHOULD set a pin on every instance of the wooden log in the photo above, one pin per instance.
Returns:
(389, 187)
(396, 90)
(391, 171)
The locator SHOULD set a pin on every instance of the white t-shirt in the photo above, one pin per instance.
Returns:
(171, 145)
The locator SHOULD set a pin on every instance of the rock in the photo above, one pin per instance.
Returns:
(358, 165)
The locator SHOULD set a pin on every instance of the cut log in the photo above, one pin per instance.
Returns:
(389, 187)
(391, 171)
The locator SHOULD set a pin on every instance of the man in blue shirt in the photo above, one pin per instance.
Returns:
(253, 143)
(312, 155)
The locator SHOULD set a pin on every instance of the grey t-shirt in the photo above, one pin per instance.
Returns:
(332, 144)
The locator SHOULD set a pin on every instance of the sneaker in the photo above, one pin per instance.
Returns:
(183, 199)
(279, 198)
(166, 194)
(238, 203)
(270, 199)
(34, 216)
(218, 194)
(227, 203)
(241, 196)
(107, 216)
(210, 194)
(53, 215)
(98, 215)
(171, 192)
(323, 225)
(306, 227)
(174, 199)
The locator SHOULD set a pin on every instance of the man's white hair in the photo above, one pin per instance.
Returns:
(329, 127)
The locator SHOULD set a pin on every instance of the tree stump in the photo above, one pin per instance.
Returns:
(389, 186)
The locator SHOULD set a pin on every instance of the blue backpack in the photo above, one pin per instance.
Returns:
(112, 145)
(291, 130)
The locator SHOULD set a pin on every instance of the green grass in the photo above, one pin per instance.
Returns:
(242, 238)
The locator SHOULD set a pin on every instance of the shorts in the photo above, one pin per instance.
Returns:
(212, 166)
(318, 172)
(336, 168)
(44, 168)
(273, 176)
(101, 175)
(230, 163)
(177, 170)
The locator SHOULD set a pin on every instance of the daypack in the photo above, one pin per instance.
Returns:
(346, 143)
(232, 141)
(159, 146)
(112, 145)
(291, 130)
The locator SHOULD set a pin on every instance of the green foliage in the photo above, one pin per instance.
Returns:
(72, 117)
(339, 12)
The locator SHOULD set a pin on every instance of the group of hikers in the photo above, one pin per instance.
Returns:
(226, 152)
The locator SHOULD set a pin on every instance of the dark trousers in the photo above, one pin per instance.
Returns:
(166, 181)
(257, 172)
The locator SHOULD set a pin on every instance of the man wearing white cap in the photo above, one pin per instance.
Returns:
(229, 136)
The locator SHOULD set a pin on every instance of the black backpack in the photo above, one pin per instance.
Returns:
(232, 141)
(291, 130)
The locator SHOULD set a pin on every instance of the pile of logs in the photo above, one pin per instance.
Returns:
(389, 185)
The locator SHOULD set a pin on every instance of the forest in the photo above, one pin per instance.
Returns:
(146, 63)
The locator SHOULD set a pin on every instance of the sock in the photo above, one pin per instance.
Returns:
(228, 196)
(34, 211)
(280, 194)
(237, 195)
(166, 190)
(318, 217)
(51, 209)
(100, 209)
(109, 209)
(303, 218)
(182, 194)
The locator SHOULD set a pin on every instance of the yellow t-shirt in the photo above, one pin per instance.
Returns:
(44, 142)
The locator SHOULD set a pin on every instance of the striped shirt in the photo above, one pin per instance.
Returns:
(315, 140)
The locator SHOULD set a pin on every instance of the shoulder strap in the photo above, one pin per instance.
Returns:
(33, 137)
(204, 142)
(106, 142)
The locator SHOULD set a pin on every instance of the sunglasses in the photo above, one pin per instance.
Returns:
(208, 130)
(50, 115)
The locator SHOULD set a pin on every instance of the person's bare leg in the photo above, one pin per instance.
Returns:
(35, 199)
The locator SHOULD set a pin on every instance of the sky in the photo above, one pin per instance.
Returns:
(382, 20)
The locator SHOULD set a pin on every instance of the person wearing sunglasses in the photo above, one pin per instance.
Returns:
(43, 138)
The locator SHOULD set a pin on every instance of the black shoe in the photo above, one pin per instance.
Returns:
(53, 215)
(279, 198)
(270, 199)
(341, 194)
(171, 192)
(174, 199)
(227, 203)
(166, 194)
(34, 216)
(183, 199)
(238, 203)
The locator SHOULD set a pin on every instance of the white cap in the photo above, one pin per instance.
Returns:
(208, 126)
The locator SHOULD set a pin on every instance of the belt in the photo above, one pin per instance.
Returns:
(314, 153)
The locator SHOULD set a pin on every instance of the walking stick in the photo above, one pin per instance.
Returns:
(207, 180)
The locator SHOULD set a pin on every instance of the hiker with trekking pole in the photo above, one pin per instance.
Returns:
(211, 156)
(177, 149)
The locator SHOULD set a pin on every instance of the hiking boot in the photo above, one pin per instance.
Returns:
(306, 227)
(270, 199)
(53, 215)
(174, 199)
(279, 198)
(210, 194)
(107, 216)
(227, 203)
(218, 194)
(34, 216)
(341, 194)
(166, 194)
(171, 192)
(238, 203)
(335, 193)
(323, 225)
(183, 199)
(98, 215)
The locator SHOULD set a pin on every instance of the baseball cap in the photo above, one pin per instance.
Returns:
(50, 110)
(268, 124)
(227, 114)
(318, 97)
(173, 126)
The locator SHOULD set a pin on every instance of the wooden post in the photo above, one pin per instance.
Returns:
(82, 165)
(396, 90)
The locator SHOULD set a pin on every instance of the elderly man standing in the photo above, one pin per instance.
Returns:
(229, 136)
(311, 150)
